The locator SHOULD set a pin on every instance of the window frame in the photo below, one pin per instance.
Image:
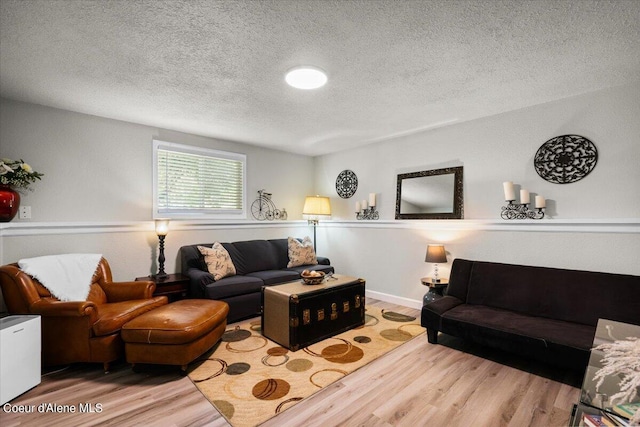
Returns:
(200, 215)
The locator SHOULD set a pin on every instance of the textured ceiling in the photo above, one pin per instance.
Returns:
(216, 68)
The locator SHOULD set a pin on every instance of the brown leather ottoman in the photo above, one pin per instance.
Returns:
(175, 334)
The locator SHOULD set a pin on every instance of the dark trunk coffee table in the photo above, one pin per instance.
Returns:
(296, 315)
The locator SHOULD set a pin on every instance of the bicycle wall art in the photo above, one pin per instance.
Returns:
(263, 208)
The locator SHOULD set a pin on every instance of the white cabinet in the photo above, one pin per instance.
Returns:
(19, 355)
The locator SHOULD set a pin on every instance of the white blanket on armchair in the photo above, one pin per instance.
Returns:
(67, 276)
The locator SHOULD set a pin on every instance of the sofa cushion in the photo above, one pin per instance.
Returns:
(274, 277)
(459, 278)
(252, 255)
(97, 294)
(511, 323)
(112, 316)
(218, 261)
(191, 258)
(281, 250)
(180, 322)
(232, 286)
(301, 253)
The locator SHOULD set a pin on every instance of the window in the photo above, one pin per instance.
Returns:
(197, 183)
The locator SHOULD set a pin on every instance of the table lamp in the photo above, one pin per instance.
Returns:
(162, 229)
(436, 254)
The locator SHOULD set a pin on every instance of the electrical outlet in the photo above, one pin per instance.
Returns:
(25, 212)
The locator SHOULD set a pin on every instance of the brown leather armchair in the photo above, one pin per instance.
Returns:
(80, 331)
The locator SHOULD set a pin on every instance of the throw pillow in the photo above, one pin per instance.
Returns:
(301, 253)
(218, 261)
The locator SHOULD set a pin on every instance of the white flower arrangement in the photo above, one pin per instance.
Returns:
(622, 357)
(17, 173)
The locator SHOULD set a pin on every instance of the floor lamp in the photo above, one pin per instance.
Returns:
(314, 207)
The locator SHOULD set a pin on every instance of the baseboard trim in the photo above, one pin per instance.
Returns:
(407, 302)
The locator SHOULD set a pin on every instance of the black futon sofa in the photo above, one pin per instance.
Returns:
(547, 313)
(258, 263)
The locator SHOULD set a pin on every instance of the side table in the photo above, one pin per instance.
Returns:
(175, 286)
(436, 289)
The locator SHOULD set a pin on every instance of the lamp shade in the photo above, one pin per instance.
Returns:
(436, 253)
(316, 205)
(162, 226)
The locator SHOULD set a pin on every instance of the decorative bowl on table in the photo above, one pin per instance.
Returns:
(312, 277)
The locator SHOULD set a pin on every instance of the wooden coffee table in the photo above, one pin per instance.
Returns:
(296, 315)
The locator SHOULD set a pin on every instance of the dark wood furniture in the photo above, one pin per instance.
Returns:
(174, 286)
(296, 315)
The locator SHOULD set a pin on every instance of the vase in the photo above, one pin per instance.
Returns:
(9, 203)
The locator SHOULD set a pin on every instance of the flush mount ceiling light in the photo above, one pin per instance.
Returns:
(306, 77)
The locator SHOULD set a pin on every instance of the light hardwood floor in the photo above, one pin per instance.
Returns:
(417, 384)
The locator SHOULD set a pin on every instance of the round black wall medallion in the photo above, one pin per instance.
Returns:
(565, 159)
(346, 184)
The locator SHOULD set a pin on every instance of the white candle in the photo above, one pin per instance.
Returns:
(372, 199)
(357, 206)
(364, 205)
(524, 196)
(509, 193)
(540, 202)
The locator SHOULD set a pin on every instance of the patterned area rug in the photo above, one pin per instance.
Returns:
(250, 379)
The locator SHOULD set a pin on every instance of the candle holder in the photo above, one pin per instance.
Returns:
(520, 211)
(368, 213)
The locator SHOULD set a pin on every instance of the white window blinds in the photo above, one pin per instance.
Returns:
(198, 182)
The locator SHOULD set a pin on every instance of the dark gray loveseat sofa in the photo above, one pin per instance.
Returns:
(258, 263)
(546, 313)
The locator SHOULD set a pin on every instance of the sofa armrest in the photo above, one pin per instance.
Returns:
(125, 291)
(432, 314)
(198, 280)
(442, 305)
(54, 308)
(323, 260)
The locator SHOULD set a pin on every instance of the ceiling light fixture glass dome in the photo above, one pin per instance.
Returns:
(306, 77)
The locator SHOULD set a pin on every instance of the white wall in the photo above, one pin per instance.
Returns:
(390, 254)
(99, 169)
(501, 148)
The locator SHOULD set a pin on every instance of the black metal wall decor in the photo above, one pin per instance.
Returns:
(520, 211)
(263, 208)
(346, 184)
(565, 159)
(368, 213)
